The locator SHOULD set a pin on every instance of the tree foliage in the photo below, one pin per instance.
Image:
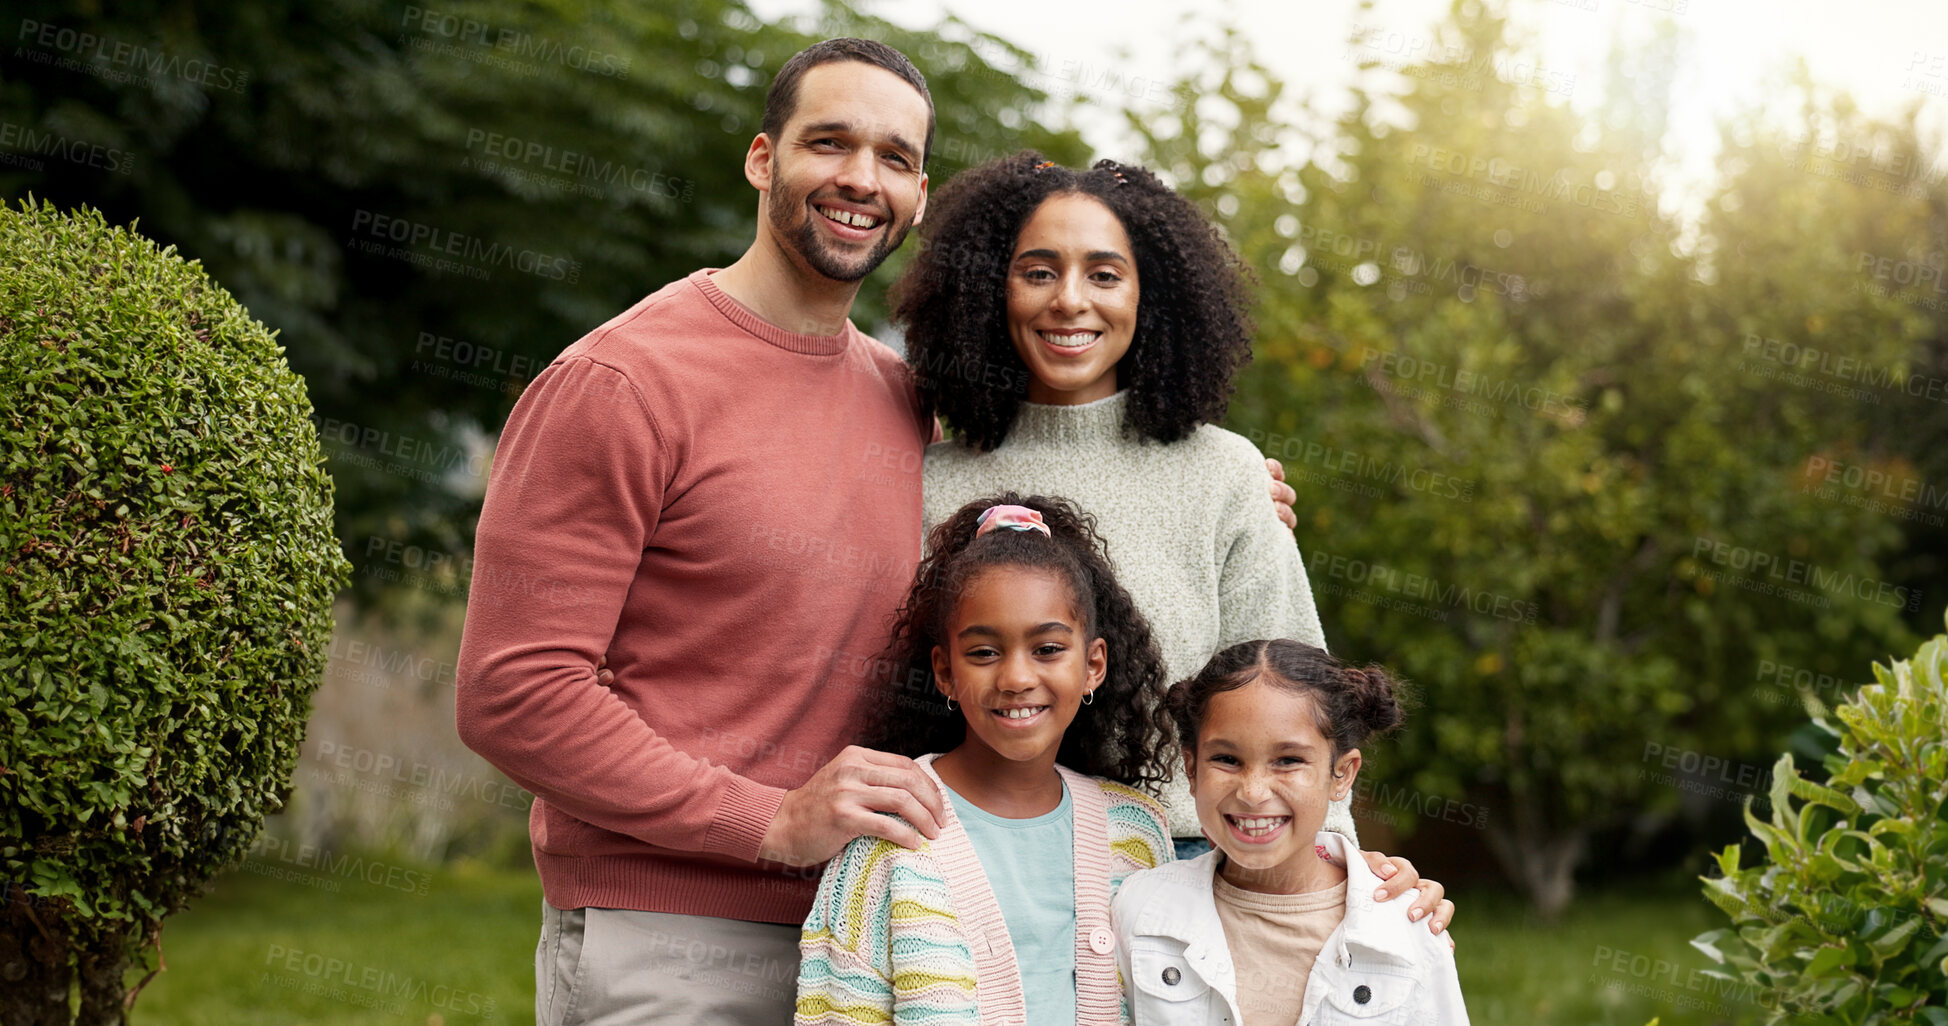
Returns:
(168, 566)
(1543, 467)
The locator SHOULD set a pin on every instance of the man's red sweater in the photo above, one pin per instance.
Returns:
(731, 512)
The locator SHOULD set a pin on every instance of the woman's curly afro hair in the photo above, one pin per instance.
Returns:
(1193, 329)
(1117, 735)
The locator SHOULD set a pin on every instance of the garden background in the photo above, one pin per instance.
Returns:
(1626, 464)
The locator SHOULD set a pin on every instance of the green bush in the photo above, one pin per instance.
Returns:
(167, 568)
(1844, 921)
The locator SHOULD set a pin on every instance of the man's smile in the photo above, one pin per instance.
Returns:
(849, 217)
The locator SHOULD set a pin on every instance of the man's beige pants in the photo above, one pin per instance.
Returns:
(614, 967)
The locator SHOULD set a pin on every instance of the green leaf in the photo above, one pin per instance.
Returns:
(1894, 939)
(1828, 960)
(1723, 894)
(1707, 942)
(1806, 790)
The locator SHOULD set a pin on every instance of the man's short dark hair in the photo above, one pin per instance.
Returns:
(781, 100)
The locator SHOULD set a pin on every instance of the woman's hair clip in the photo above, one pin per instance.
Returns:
(1014, 518)
(1044, 165)
(1120, 180)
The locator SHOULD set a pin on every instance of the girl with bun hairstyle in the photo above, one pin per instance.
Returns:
(1276, 925)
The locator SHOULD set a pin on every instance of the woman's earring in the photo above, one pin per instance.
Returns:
(950, 702)
(1088, 697)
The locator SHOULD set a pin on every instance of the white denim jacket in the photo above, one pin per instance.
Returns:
(1377, 967)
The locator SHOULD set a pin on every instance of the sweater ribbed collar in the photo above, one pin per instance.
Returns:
(1099, 421)
(743, 316)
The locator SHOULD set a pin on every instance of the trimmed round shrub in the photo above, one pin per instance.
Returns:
(1845, 919)
(167, 570)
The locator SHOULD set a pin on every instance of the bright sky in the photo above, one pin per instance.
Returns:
(1888, 54)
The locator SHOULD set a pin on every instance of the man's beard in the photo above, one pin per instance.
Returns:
(805, 240)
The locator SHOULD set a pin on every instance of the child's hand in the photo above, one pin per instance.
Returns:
(1400, 876)
(844, 799)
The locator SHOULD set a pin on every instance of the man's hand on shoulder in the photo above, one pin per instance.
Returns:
(844, 800)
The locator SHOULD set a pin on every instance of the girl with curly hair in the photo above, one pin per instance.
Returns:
(1040, 680)
(1079, 332)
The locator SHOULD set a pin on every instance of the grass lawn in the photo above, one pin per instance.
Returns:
(270, 951)
(1618, 957)
(265, 951)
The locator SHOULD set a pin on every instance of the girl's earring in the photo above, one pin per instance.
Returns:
(1088, 697)
(950, 702)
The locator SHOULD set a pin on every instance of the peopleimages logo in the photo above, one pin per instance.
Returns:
(119, 60)
(430, 246)
(390, 990)
(1843, 367)
(1465, 382)
(1354, 469)
(1795, 571)
(1497, 171)
(570, 165)
(1328, 569)
(1874, 481)
(75, 151)
(429, 459)
(505, 44)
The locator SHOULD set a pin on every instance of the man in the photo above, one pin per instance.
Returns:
(718, 489)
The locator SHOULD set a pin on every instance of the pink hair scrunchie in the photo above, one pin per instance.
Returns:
(1014, 518)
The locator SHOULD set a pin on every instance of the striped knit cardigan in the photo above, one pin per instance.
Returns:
(915, 936)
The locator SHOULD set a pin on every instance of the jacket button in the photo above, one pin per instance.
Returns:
(1361, 994)
(1171, 975)
(1101, 941)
